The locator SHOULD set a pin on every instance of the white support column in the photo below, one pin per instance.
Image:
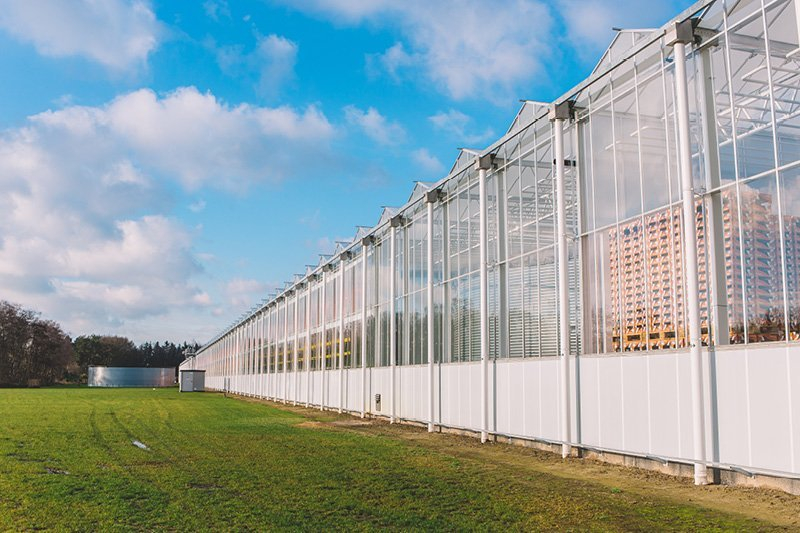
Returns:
(678, 36)
(559, 114)
(396, 222)
(341, 333)
(265, 354)
(249, 358)
(268, 380)
(237, 358)
(285, 349)
(296, 351)
(231, 357)
(323, 321)
(482, 164)
(308, 342)
(366, 241)
(261, 339)
(224, 362)
(254, 356)
(248, 354)
(715, 238)
(431, 197)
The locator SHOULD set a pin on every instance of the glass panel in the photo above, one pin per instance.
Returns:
(514, 299)
(653, 142)
(602, 167)
(760, 233)
(626, 153)
(790, 202)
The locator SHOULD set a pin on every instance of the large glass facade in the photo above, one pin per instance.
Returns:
(625, 224)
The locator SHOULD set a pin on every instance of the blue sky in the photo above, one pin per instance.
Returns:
(165, 165)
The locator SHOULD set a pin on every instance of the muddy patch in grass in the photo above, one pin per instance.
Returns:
(351, 423)
(311, 424)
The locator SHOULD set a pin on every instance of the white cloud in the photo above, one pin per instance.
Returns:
(272, 63)
(216, 9)
(458, 124)
(376, 126)
(198, 206)
(188, 135)
(84, 232)
(242, 293)
(487, 49)
(276, 56)
(118, 34)
(590, 22)
(477, 48)
(392, 61)
(429, 163)
(202, 298)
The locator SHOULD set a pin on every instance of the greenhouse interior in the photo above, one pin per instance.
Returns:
(619, 273)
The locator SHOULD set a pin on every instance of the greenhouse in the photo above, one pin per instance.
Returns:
(619, 273)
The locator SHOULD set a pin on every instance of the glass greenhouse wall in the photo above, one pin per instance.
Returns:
(544, 288)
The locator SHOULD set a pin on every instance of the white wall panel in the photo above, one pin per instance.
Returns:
(664, 417)
(353, 389)
(770, 418)
(589, 432)
(636, 419)
(549, 397)
(412, 388)
(381, 384)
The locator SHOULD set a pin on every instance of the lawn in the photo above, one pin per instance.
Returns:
(67, 461)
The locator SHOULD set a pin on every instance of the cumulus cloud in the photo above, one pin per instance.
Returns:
(591, 21)
(429, 163)
(483, 48)
(242, 292)
(376, 126)
(118, 34)
(85, 234)
(217, 9)
(185, 134)
(271, 63)
(393, 61)
(459, 126)
(476, 48)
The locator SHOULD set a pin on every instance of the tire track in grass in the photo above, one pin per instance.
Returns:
(169, 471)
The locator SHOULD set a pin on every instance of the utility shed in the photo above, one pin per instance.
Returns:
(193, 380)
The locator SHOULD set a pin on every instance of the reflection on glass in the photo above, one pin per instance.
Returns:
(790, 197)
(762, 270)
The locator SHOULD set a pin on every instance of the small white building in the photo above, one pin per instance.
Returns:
(192, 380)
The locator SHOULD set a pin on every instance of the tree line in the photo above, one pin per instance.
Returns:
(35, 351)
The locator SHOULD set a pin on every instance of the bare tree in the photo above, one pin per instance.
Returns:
(31, 348)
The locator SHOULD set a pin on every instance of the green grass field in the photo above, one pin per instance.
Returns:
(67, 462)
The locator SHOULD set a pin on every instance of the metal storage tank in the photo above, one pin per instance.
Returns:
(192, 380)
(110, 376)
